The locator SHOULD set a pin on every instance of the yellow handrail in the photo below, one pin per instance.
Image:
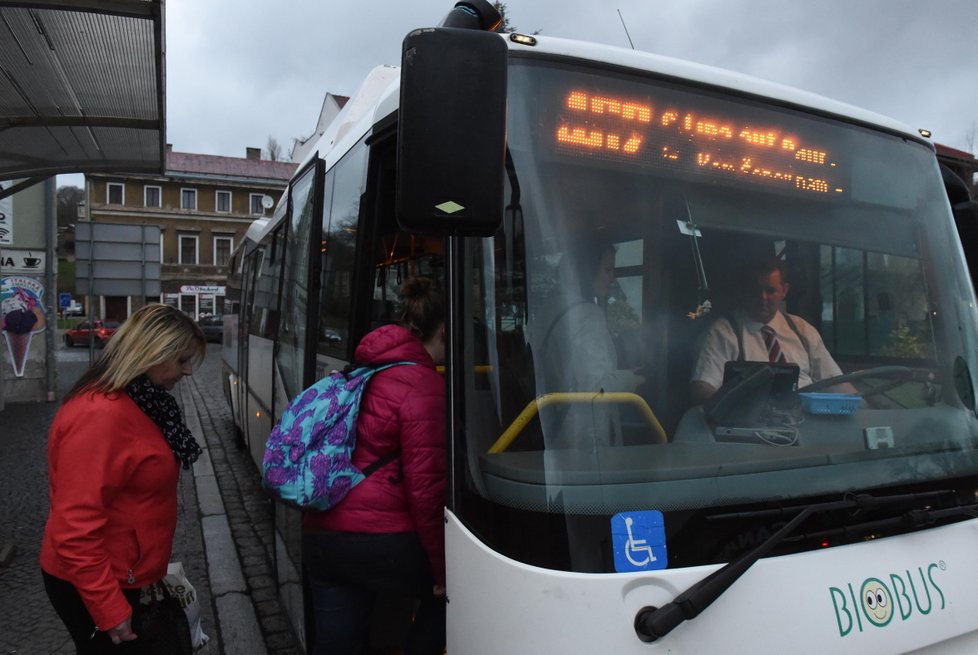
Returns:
(483, 369)
(573, 397)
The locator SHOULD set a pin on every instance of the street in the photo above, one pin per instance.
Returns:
(224, 532)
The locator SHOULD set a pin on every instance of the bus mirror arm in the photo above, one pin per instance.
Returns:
(652, 623)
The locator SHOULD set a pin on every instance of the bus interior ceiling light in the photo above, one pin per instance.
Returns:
(473, 15)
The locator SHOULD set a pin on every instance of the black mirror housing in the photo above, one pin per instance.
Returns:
(451, 135)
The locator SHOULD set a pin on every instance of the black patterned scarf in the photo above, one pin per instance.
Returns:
(162, 408)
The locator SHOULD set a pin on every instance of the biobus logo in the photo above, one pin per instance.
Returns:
(879, 600)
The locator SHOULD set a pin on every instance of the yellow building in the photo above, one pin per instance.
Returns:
(203, 205)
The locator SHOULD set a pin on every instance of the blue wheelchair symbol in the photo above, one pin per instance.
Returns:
(639, 540)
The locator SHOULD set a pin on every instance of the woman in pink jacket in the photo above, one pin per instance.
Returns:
(388, 534)
(114, 456)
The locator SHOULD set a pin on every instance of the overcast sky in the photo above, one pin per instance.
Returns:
(239, 71)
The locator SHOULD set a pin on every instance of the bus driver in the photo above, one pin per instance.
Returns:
(760, 331)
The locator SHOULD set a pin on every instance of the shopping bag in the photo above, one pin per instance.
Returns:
(161, 626)
(179, 587)
(176, 580)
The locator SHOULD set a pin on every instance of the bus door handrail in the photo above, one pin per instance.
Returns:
(574, 397)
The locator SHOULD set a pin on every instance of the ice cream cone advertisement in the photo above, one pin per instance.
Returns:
(23, 317)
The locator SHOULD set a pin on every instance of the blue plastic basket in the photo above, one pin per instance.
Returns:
(837, 404)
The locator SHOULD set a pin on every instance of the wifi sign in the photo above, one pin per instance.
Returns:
(6, 222)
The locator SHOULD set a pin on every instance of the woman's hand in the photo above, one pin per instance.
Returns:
(122, 632)
(438, 591)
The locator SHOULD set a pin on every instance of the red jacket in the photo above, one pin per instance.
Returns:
(113, 494)
(404, 407)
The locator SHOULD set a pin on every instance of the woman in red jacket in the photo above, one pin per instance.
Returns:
(114, 455)
(388, 534)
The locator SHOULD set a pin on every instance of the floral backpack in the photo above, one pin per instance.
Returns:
(308, 456)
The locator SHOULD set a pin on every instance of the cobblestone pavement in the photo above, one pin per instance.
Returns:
(29, 623)
(248, 509)
(243, 621)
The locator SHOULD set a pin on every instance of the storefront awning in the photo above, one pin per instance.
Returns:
(81, 87)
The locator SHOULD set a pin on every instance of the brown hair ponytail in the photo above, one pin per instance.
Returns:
(422, 307)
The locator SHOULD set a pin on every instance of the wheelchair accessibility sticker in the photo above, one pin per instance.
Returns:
(639, 540)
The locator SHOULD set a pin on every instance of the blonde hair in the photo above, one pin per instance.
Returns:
(153, 335)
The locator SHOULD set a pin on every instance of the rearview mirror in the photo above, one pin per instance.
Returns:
(451, 139)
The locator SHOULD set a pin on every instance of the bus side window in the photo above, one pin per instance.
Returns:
(265, 321)
(295, 285)
(341, 212)
(250, 273)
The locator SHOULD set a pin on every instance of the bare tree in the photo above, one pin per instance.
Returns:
(273, 151)
(68, 199)
(506, 25)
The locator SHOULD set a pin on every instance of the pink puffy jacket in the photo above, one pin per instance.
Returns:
(404, 407)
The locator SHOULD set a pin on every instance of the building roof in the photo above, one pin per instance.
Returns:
(192, 164)
(331, 107)
(962, 156)
(83, 87)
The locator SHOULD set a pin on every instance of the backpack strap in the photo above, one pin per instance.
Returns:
(383, 461)
(394, 454)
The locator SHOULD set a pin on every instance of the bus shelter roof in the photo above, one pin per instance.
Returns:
(81, 87)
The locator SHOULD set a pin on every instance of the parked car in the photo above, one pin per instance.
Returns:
(75, 309)
(212, 327)
(79, 335)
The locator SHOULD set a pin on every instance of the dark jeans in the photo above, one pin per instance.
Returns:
(73, 613)
(346, 573)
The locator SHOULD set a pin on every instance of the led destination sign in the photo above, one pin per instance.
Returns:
(690, 140)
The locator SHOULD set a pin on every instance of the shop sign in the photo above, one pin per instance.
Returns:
(6, 218)
(194, 288)
(21, 262)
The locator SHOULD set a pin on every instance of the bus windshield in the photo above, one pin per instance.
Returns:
(612, 352)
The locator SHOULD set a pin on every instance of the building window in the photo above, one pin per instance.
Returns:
(152, 196)
(116, 193)
(255, 202)
(188, 249)
(188, 198)
(222, 250)
(222, 201)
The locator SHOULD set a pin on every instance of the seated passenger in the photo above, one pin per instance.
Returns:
(759, 331)
(575, 350)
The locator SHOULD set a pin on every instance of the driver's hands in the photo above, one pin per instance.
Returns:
(122, 632)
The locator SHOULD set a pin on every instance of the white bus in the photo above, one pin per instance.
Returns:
(754, 523)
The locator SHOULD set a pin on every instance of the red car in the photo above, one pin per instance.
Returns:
(79, 335)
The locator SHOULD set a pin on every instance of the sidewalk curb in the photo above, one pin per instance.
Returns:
(237, 622)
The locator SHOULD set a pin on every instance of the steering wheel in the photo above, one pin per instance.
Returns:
(899, 373)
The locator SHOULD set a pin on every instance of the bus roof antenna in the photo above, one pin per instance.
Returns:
(625, 27)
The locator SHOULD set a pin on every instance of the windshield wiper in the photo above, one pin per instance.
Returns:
(915, 518)
(652, 623)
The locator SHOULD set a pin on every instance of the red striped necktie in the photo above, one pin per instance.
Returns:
(774, 354)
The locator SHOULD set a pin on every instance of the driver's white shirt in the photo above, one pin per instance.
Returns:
(720, 346)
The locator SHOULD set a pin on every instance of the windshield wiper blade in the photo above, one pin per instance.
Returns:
(859, 502)
(915, 518)
(652, 623)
